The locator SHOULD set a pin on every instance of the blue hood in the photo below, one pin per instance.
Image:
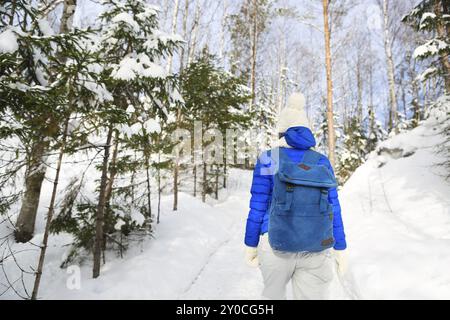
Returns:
(300, 138)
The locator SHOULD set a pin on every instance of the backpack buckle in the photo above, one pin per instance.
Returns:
(290, 187)
(324, 200)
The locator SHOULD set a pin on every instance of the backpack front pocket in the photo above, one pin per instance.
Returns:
(302, 201)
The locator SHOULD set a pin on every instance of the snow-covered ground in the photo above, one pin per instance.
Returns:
(396, 211)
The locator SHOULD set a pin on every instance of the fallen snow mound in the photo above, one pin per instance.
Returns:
(396, 211)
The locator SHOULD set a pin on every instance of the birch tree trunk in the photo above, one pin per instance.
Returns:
(328, 65)
(393, 117)
(359, 82)
(173, 30)
(176, 169)
(223, 32)
(282, 73)
(195, 27)
(184, 26)
(254, 51)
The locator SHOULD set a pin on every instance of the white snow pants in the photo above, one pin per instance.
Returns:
(311, 273)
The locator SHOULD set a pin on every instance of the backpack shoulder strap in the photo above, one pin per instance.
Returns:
(282, 154)
(311, 157)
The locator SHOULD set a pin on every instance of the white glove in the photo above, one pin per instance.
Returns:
(251, 257)
(341, 261)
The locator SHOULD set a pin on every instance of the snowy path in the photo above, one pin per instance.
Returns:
(225, 275)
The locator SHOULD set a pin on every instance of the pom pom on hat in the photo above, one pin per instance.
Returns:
(294, 115)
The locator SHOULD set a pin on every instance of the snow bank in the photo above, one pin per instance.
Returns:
(397, 216)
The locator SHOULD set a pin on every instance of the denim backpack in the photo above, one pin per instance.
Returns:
(301, 218)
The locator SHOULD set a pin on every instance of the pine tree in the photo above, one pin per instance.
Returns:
(133, 46)
(216, 98)
(124, 73)
(321, 131)
(432, 18)
(376, 133)
(353, 152)
(38, 92)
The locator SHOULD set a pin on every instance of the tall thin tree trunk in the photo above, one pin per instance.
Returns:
(204, 182)
(133, 179)
(360, 89)
(176, 169)
(282, 73)
(184, 26)
(159, 188)
(50, 213)
(112, 176)
(149, 192)
(330, 114)
(193, 42)
(440, 8)
(217, 182)
(173, 30)
(415, 93)
(99, 223)
(403, 95)
(225, 173)
(175, 185)
(223, 32)
(393, 117)
(371, 108)
(254, 51)
(195, 179)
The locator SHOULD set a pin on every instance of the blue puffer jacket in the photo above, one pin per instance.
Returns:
(300, 139)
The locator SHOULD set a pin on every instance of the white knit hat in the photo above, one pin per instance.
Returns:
(294, 115)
